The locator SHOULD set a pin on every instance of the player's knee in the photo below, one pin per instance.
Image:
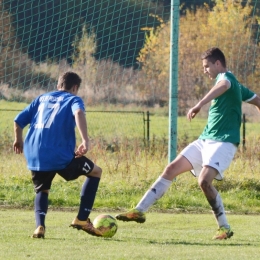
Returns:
(204, 184)
(169, 172)
(44, 191)
(97, 172)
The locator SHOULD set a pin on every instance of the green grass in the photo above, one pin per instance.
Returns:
(129, 169)
(125, 180)
(115, 126)
(11, 105)
(162, 236)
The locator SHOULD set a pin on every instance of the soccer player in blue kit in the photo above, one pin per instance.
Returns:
(211, 154)
(50, 149)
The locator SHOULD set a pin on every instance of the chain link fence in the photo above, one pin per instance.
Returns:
(110, 126)
(143, 126)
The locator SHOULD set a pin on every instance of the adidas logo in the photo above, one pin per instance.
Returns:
(217, 163)
(153, 190)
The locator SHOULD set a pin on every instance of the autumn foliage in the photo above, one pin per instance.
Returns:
(229, 25)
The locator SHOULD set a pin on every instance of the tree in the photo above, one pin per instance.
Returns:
(227, 25)
(83, 56)
(154, 60)
(102, 81)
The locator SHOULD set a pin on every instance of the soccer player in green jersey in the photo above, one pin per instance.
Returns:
(211, 154)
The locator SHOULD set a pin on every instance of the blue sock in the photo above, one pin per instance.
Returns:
(88, 194)
(40, 208)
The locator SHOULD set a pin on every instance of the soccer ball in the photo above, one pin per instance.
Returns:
(106, 224)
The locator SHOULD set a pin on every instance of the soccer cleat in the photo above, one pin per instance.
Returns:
(86, 226)
(223, 233)
(39, 232)
(132, 215)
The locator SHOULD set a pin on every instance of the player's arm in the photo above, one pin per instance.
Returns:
(18, 139)
(250, 97)
(81, 123)
(220, 88)
(255, 101)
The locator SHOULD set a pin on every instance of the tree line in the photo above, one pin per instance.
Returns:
(121, 48)
(46, 29)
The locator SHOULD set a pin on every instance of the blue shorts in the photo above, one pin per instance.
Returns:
(42, 180)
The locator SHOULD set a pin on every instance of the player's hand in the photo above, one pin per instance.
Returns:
(193, 112)
(82, 149)
(18, 146)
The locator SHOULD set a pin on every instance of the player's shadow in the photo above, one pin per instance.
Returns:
(72, 239)
(211, 243)
(192, 243)
(169, 242)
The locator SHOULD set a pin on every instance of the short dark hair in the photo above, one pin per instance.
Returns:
(213, 54)
(68, 80)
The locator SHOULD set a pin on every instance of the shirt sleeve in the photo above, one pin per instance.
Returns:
(77, 104)
(25, 117)
(223, 76)
(246, 93)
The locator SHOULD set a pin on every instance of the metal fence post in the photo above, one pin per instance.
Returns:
(147, 132)
(148, 127)
(244, 131)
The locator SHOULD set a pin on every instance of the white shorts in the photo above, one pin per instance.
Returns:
(211, 153)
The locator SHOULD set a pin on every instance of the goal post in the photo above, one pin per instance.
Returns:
(173, 79)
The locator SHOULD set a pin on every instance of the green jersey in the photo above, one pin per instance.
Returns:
(225, 112)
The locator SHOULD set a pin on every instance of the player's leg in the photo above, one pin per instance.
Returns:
(84, 166)
(88, 193)
(40, 211)
(217, 156)
(205, 182)
(159, 187)
(42, 183)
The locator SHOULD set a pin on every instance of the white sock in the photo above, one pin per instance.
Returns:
(154, 193)
(219, 211)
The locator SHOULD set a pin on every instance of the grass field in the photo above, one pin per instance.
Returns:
(163, 236)
(128, 171)
(115, 125)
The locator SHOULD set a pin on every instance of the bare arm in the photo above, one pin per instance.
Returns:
(18, 139)
(221, 87)
(255, 101)
(81, 123)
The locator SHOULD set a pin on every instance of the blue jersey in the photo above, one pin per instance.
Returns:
(50, 141)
